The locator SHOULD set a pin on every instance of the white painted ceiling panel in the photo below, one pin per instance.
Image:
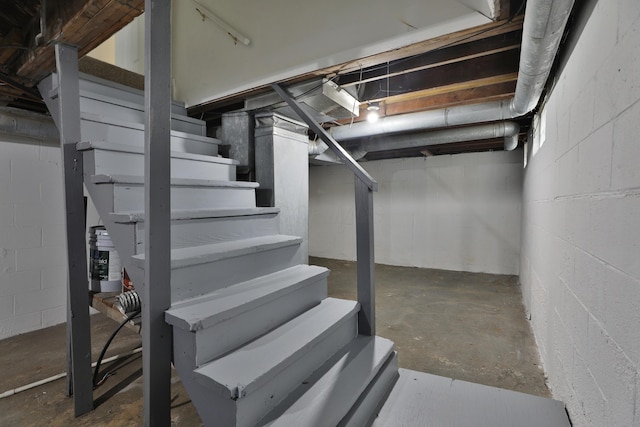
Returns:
(290, 37)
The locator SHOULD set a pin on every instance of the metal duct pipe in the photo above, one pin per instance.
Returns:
(317, 147)
(544, 23)
(508, 130)
(14, 121)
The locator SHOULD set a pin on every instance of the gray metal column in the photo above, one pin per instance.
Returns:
(282, 169)
(365, 258)
(156, 333)
(78, 323)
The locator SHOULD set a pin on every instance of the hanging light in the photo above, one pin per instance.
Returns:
(373, 114)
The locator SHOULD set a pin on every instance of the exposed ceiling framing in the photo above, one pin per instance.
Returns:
(474, 65)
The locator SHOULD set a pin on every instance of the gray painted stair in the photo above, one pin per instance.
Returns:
(118, 159)
(204, 226)
(330, 397)
(199, 270)
(256, 340)
(249, 309)
(127, 193)
(251, 381)
(103, 128)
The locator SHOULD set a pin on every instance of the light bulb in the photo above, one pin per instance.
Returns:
(373, 116)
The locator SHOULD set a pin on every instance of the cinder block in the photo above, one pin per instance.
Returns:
(18, 282)
(20, 192)
(6, 213)
(21, 237)
(54, 236)
(591, 282)
(20, 324)
(594, 161)
(590, 402)
(621, 311)
(619, 78)
(35, 213)
(55, 316)
(576, 317)
(615, 375)
(628, 16)
(615, 234)
(53, 277)
(51, 192)
(6, 307)
(37, 258)
(40, 300)
(13, 147)
(625, 173)
(7, 261)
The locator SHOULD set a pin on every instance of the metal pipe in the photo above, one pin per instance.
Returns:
(508, 129)
(14, 121)
(544, 24)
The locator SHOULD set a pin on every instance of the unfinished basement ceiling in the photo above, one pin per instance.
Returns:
(469, 66)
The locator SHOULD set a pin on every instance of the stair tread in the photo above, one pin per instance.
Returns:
(207, 310)
(123, 148)
(98, 118)
(184, 257)
(185, 214)
(176, 182)
(248, 368)
(330, 393)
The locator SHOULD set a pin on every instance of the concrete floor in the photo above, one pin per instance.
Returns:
(466, 326)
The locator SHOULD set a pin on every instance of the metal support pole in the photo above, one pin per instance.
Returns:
(78, 326)
(365, 258)
(156, 333)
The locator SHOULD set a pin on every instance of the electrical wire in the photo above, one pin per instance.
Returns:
(97, 383)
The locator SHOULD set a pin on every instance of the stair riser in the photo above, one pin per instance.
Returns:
(374, 396)
(118, 94)
(107, 162)
(135, 114)
(192, 281)
(96, 131)
(255, 406)
(130, 197)
(197, 232)
(216, 341)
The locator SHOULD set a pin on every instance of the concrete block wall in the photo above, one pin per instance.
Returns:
(457, 212)
(580, 263)
(32, 236)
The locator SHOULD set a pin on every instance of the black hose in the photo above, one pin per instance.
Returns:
(106, 346)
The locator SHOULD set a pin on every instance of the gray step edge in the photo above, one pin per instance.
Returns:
(122, 148)
(185, 257)
(175, 182)
(98, 118)
(340, 381)
(183, 214)
(135, 106)
(236, 375)
(98, 81)
(205, 311)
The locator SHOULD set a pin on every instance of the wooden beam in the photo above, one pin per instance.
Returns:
(432, 59)
(482, 67)
(81, 23)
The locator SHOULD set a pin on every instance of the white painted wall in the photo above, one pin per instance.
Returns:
(290, 37)
(457, 212)
(580, 268)
(32, 252)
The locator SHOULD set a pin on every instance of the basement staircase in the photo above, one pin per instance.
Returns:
(256, 339)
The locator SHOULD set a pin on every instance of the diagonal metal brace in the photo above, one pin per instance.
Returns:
(342, 154)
